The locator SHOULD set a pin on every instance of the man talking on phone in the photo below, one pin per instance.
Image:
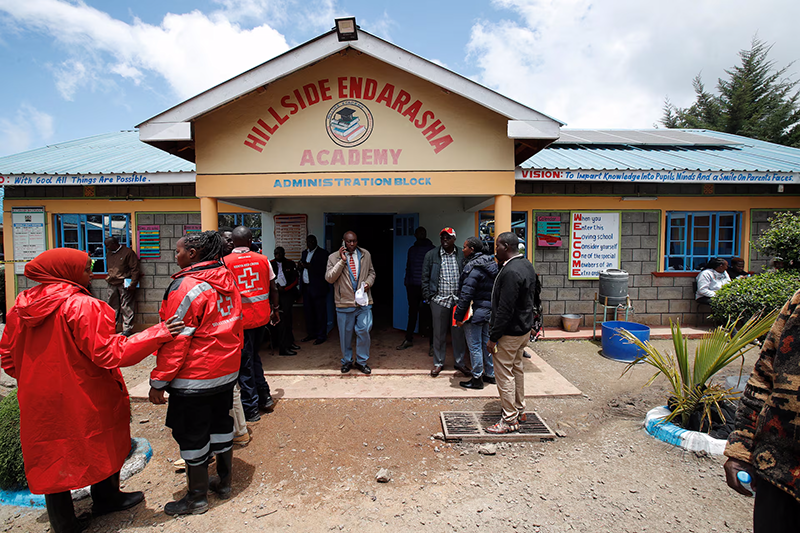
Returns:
(351, 273)
(255, 280)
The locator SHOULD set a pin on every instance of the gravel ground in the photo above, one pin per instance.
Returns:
(311, 466)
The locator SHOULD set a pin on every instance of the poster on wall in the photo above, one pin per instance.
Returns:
(290, 233)
(28, 235)
(548, 230)
(149, 242)
(593, 243)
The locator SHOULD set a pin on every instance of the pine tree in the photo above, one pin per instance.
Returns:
(756, 100)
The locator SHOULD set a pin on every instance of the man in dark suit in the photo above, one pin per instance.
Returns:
(286, 279)
(315, 290)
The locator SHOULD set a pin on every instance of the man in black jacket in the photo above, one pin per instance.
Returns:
(286, 280)
(413, 283)
(314, 288)
(510, 329)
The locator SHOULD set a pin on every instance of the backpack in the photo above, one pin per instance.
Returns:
(537, 329)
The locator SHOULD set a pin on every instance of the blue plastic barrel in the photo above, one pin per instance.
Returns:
(619, 349)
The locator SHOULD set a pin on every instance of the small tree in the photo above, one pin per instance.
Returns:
(782, 238)
(756, 100)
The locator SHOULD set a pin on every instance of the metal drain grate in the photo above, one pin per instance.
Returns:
(468, 426)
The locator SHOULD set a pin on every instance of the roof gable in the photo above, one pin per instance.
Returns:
(172, 129)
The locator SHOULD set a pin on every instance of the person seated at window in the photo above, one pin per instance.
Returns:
(711, 279)
(675, 263)
(736, 270)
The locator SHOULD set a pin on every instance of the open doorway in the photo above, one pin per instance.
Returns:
(375, 235)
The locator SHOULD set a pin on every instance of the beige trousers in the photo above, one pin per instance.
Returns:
(509, 375)
(239, 422)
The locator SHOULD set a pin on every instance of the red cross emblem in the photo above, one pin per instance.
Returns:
(224, 305)
(248, 277)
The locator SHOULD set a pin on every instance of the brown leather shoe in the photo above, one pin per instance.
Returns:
(436, 370)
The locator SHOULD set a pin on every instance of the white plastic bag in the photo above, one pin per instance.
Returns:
(361, 296)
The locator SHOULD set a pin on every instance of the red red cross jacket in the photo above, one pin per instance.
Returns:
(252, 273)
(204, 358)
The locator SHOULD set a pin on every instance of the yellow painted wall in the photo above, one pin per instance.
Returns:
(743, 204)
(479, 136)
(357, 184)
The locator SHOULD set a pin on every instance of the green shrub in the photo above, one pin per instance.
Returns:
(782, 238)
(12, 469)
(745, 297)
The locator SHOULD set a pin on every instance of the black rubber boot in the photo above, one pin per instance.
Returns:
(61, 513)
(196, 499)
(473, 383)
(221, 483)
(107, 498)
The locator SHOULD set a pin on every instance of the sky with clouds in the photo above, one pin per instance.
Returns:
(77, 68)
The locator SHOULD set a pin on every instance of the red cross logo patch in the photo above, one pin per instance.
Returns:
(224, 305)
(248, 277)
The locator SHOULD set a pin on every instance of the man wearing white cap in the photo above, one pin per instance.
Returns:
(440, 274)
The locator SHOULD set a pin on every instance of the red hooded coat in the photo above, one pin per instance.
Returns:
(60, 345)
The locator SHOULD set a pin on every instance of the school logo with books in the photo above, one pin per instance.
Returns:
(349, 123)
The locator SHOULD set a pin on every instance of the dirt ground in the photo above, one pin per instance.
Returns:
(311, 467)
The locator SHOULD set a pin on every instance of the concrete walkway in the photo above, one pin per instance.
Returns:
(315, 371)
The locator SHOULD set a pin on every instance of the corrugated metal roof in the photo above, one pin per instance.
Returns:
(638, 137)
(119, 152)
(727, 153)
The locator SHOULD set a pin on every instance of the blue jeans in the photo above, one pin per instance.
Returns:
(356, 320)
(477, 336)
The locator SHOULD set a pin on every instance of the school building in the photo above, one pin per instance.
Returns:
(354, 133)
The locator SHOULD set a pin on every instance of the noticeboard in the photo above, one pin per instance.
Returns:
(594, 242)
(28, 235)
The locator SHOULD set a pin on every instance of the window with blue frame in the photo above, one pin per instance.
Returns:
(694, 237)
(249, 220)
(519, 225)
(87, 233)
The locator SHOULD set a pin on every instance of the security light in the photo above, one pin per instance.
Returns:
(346, 29)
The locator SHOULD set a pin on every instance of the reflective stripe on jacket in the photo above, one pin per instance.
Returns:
(204, 358)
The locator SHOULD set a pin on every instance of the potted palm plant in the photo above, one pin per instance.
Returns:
(690, 378)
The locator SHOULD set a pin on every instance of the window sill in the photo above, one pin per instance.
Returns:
(675, 274)
(99, 276)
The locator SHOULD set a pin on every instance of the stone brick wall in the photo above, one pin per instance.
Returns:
(758, 223)
(655, 300)
(155, 272)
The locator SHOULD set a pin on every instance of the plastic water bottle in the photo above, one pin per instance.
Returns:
(745, 480)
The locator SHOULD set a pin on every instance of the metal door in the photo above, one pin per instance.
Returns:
(404, 226)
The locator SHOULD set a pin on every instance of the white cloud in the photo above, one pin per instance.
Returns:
(191, 51)
(70, 76)
(610, 64)
(28, 125)
(381, 27)
(318, 14)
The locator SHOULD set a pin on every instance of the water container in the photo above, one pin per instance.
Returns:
(614, 285)
(617, 348)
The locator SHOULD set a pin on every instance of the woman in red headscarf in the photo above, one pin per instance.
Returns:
(61, 346)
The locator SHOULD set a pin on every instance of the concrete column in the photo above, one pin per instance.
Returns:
(502, 214)
(209, 215)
